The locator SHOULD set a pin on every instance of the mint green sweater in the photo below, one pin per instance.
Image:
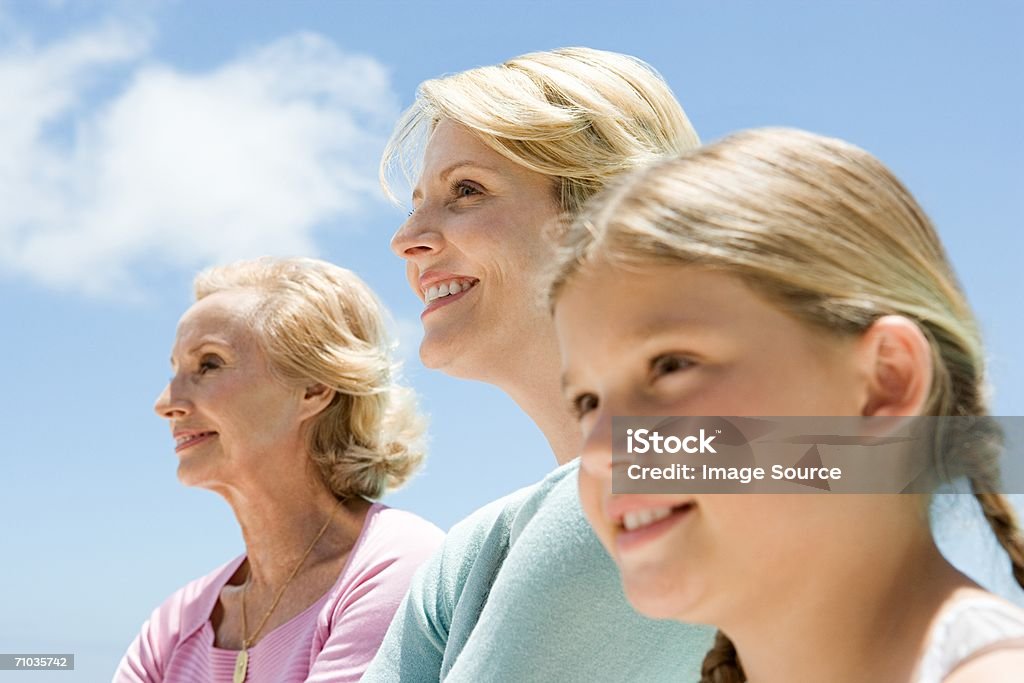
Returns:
(522, 591)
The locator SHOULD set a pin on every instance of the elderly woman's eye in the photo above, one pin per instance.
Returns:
(209, 362)
(669, 363)
(583, 404)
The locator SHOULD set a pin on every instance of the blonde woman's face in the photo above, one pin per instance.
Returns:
(231, 419)
(677, 340)
(475, 249)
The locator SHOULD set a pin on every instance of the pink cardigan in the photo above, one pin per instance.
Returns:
(334, 639)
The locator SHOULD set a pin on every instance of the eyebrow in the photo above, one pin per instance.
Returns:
(205, 342)
(665, 325)
(652, 329)
(449, 169)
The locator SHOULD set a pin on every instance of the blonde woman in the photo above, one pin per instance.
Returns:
(284, 402)
(521, 590)
(783, 273)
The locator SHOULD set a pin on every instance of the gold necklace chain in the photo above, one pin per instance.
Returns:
(242, 661)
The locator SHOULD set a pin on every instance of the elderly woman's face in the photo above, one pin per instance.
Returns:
(475, 252)
(230, 417)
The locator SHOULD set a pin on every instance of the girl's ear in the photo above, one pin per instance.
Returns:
(896, 360)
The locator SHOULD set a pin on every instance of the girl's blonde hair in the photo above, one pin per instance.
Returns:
(320, 324)
(824, 230)
(578, 115)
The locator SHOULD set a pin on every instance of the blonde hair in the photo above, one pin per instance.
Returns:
(318, 323)
(824, 230)
(578, 115)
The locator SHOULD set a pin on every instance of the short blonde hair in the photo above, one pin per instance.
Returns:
(319, 323)
(826, 231)
(578, 115)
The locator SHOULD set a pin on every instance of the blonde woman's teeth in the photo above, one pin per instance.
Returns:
(444, 289)
(641, 518)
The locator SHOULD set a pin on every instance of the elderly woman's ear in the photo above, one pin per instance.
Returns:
(316, 399)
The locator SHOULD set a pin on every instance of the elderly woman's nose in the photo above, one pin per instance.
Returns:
(169, 404)
(415, 237)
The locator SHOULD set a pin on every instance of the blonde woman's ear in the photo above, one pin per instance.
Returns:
(896, 359)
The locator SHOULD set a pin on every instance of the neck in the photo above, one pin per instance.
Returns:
(280, 523)
(821, 630)
(532, 380)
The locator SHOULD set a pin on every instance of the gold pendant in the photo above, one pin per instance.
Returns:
(241, 664)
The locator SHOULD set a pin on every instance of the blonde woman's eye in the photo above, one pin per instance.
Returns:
(583, 404)
(669, 363)
(464, 188)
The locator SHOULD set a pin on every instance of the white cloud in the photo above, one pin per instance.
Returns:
(178, 170)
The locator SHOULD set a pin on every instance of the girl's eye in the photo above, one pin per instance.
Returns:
(669, 363)
(465, 188)
(583, 404)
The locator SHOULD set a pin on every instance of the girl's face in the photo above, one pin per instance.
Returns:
(680, 340)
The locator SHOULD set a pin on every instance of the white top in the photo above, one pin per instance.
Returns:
(968, 629)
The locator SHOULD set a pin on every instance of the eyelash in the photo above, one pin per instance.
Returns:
(458, 185)
(582, 404)
(454, 188)
(579, 409)
(208, 363)
(681, 361)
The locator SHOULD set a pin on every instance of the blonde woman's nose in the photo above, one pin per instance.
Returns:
(415, 237)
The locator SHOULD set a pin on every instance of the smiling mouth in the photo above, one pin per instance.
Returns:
(183, 442)
(639, 519)
(447, 288)
(445, 293)
(640, 527)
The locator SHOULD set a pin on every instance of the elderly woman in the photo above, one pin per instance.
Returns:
(283, 402)
(522, 590)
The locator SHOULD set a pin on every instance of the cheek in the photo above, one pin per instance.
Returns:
(519, 242)
(759, 529)
(785, 386)
(272, 411)
(478, 232)
(536, 242)
(259, 411)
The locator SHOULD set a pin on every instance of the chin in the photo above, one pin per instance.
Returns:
(194, 472)
(187, 475)
(429, 357)
(661, 597)
(653, 605)
(445, 356)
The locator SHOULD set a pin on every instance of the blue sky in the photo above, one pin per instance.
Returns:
(143, 141)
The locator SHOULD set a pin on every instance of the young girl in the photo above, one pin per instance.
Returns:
(783, 273)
